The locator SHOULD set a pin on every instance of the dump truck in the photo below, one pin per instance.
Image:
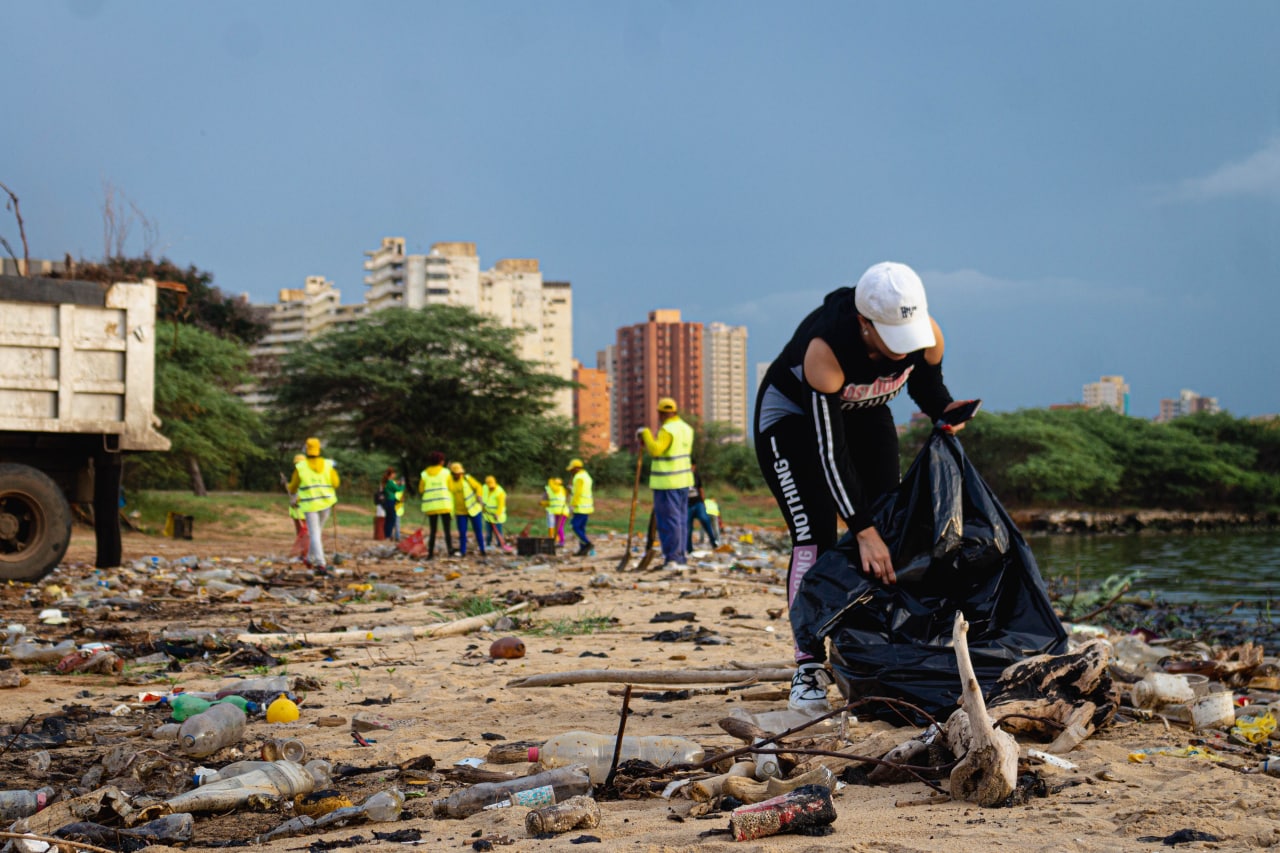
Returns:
(77, 388)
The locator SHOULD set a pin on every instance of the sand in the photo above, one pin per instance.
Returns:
(444, 696)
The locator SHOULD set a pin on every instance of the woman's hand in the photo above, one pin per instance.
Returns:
(876, 560)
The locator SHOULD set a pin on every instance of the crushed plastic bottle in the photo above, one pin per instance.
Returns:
(207, 732)
(596, 751)
(277, 779)
(565, 782)
(263, 690)
(319, 769)
(185, 705)
(573, 813)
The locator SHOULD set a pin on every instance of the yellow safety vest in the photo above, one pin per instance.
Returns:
(672, 470)
(555, 502)
(296, 512)
(436, 499)
(466, 496)
(315, 488)
(582, 502)
(495, 504)
(713, 508)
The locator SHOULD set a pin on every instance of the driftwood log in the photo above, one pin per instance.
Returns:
(988, 768)
(653, 676)
(1059, 698)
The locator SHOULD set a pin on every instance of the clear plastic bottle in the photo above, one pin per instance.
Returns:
(383, 806)
(28, 652)
(1160, 688)
(211, 730)
(1270, 765)
(277, 778)
(596, 751)
(264, 690)
(18, 804)
(566, 782)
(319, 770)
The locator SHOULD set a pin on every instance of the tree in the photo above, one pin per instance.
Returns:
(211, 429)
(409, 382)
(204, 305)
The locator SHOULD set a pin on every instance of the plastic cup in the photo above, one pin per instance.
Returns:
(1213, 711)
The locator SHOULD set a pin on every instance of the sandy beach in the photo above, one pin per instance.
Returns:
(447, 699)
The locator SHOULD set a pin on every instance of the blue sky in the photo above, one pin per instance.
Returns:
(1086, 188)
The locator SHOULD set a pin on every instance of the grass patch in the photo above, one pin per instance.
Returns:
(475, 605)
(589, 623)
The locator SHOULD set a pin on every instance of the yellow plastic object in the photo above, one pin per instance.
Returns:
(282, 710)
(1254, 729)
(1178, 752)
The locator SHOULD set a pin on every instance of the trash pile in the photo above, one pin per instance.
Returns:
(127, 753)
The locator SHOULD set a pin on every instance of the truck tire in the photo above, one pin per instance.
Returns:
(35, 523)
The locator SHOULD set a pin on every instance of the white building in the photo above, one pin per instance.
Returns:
(512, 292)
(1188, 403)
(1109, 392)
(724, 378)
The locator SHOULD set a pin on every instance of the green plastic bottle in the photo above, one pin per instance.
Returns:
(185, 706)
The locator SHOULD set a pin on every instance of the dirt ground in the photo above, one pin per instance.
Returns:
(447, 699)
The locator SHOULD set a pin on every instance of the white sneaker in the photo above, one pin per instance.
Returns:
(675, 567)
(809, 689)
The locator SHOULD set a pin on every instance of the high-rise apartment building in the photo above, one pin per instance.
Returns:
(1109, 392)
(1188, 403)
(591, 408)
(299, 314)
(512, 292)
(656, 359)
(606, 360)
(725, 376)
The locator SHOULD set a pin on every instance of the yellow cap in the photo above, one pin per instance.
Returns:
(574, 463)
(456, 467)
(491, 481)
(666, 404)
(313, 447)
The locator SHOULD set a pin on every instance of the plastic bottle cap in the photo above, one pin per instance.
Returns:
(533, 753)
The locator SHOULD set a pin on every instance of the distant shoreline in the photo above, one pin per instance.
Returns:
(1069, 521)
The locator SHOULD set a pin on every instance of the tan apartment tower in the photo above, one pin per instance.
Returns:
(656, 359)
(591, 408)
(725, 377)
(512, 292)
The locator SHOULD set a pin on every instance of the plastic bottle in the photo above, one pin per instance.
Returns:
(1160, 688)
(277, 779)
(185, 705)
(261, 690)
(596, 751)
(565, 781)
(1270, 765)
(573, 813)
(211, 730)
(27, 652)
(17, 804)
(319, 770)
(169, 731)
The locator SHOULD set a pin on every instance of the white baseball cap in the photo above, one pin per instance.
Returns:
(891, 296)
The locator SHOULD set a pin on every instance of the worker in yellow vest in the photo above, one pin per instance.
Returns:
(467, 508)
(557, 506)
(581, 505)
(437, 502)
(295, 512)
(315, 482)
(670, 477)
(494, 498)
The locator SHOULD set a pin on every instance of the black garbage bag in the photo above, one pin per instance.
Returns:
(954, 549)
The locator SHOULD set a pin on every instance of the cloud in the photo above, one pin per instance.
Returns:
(1256, 175)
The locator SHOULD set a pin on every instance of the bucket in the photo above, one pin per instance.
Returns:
(1213, 711)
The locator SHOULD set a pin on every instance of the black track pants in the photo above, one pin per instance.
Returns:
(788, 455)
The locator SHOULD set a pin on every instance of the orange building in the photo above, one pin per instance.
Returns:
(591, 408)
(656, 359)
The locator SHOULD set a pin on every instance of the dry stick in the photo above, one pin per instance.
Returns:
(55, 841)
(22, 231)
(21, 729)
(650, 676)
(617, 743)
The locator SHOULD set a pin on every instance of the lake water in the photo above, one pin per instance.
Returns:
(1208, 568)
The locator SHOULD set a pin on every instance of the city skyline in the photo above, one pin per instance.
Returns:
(1097, 196)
